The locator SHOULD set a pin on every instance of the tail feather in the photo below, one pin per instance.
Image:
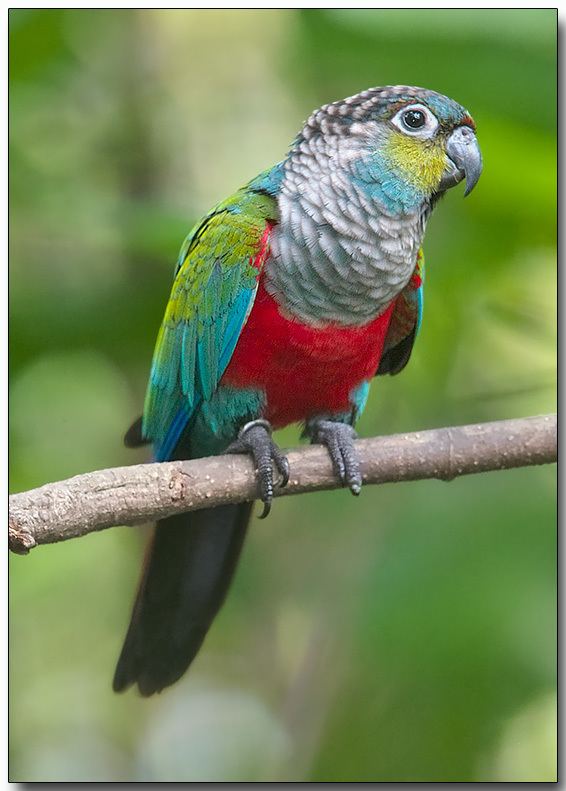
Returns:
(133, 438)
(189, 567)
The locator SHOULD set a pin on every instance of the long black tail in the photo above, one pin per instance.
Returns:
(188, 569)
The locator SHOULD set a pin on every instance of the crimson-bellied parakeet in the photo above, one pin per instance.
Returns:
(288, 298)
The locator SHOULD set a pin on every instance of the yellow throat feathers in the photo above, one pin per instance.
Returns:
(422, 162)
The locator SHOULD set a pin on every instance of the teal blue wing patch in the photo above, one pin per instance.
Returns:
(213, 292)
(405, 323)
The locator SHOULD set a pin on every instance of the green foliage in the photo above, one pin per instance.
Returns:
(408, 635)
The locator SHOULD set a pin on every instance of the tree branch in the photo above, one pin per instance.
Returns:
(145, 492)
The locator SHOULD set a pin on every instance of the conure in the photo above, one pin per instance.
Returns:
(288, 298)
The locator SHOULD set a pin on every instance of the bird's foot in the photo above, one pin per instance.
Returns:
(339, 438)
(255, 438)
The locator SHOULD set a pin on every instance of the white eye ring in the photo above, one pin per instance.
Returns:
(412, 113)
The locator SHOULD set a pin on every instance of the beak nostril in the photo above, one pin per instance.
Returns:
(463, 133)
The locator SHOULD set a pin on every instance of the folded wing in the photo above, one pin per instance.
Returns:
(213, 292)
(405, 323)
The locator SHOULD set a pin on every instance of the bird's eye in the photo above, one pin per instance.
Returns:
(414, 119)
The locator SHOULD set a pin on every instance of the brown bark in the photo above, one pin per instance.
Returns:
(141, 493)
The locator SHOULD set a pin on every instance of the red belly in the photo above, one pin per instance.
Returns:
(303, 371)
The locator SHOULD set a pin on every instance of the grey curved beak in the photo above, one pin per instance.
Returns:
(464, 159)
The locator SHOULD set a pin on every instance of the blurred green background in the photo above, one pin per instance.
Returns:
(409, 635)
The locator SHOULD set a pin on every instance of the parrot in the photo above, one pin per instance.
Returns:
(288, 298)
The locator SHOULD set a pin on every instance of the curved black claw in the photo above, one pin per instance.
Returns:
(255, 438)
(339, 439)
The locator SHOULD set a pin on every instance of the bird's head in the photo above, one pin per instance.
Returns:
(401, 144)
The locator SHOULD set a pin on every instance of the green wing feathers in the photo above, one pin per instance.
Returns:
(213, 292)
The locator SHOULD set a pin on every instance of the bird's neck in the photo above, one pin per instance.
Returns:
(348, 235)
